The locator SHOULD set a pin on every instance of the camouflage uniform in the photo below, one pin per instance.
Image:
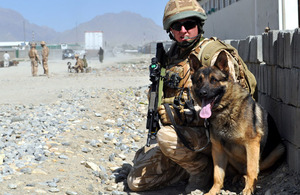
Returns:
(85, 64)
(45, 54)
(169, 161)
(79, 64)
(34, 58)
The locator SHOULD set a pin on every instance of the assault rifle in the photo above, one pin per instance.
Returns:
(157, 71)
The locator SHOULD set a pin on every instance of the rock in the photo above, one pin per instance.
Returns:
(12, 186)
(63, 156)
(54, 190)
(40, 191)
(122, 156)
(98, 114)
(39, 171)
(52, 184)
(85, 150)
(26, 170)
(2, 156)
(92, 166)
(71, 193)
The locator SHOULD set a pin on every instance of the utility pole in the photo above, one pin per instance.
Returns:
(24, 31)
(32, 36)
(76, 33)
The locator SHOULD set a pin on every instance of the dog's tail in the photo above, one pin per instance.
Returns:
(273, 157)
(274, 149)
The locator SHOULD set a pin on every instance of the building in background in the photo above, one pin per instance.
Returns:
(237, 19)
(93, 40)
(20, 45)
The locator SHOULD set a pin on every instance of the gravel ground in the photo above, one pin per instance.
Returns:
(78, 133)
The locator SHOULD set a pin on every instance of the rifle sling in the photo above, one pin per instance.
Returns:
(185, 142)
(179, 134)
(160, 85)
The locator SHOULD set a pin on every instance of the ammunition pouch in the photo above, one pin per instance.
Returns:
(243, 75)
(172, 79)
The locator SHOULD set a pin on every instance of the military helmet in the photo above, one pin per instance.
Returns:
(76, 55)
(33, 44)
(267, 29)
(180, 9)
(43, 43)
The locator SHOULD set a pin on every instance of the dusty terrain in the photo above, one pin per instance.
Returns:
(112, 99)
(18, 86)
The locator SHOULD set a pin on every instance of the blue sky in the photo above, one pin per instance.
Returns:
(66, 14)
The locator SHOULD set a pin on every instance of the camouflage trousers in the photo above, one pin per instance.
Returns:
(34, 67)
(169, 161)
(78, 69)
(45, 66)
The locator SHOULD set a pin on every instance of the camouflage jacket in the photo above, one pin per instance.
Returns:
(45, 52)
(79, 64)
(33, 54)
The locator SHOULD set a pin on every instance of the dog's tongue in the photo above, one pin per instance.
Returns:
(206, 109)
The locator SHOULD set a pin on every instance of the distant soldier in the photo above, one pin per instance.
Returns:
(45, 54)
(34, 57)
(267, 29)
(101, 54)
(79, 64)
(85, 64)
(6, 58)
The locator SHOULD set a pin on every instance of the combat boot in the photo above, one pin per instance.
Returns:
(201, 181)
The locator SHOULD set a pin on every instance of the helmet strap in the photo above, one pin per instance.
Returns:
(171, 35)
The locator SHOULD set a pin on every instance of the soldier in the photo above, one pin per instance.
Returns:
(85, 64)
(172, 159)
(45, 54)
(79, 64)
(267, 29)
(34, 57)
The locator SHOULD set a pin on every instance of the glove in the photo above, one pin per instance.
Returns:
(164, 117)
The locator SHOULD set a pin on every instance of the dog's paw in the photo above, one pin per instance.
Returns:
(212, 192)
(247, 191)
(209, 193)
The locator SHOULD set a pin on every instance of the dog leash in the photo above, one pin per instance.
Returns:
(185, 142)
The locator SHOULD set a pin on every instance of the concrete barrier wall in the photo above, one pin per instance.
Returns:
(274, 59)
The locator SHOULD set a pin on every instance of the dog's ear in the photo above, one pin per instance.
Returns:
(222, 62)
(194, 63)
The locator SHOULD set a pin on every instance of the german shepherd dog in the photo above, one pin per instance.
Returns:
(238, 125)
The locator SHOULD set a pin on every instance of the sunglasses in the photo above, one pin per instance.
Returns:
(187, 25)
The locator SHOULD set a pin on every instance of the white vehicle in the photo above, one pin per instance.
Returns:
(64, 46)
